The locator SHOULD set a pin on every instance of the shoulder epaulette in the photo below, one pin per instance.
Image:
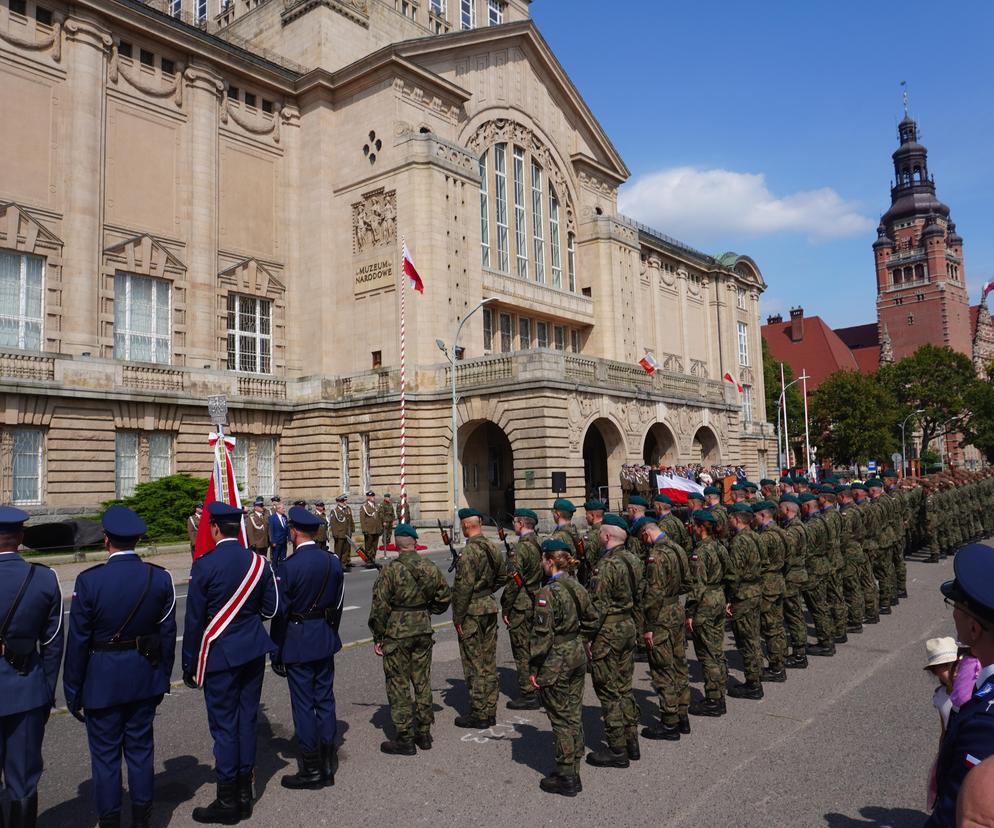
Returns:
(90, 569)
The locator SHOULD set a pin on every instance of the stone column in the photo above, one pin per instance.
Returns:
(89, 43)
(204, 92)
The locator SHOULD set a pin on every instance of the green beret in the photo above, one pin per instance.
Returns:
(405, 529)
(615, 520)
(764, 506)
(470, 513)
(704, 516)
(710, 490)
(554, 545)
(787, 480)
(526, 513)
(875, 481)
(595, 506)
(861, 486)
(740, 509)
(790, 498)
(563, 505)
(825, 489)
(748, 484)
(696, 496)
(843, 488)
(806, 497)
(638, 500)
(641, 523)
(888, 473)
(663, 498)
(767, 482)
(738, 487)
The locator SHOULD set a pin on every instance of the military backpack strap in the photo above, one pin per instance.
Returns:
(576, 598)
(417, 581)
(631, 578)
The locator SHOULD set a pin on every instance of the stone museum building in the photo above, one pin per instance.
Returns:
(202, 197)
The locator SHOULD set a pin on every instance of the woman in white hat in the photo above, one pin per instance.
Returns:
(941, 660)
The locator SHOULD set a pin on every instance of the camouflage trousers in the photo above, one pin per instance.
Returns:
(563, 703)
(883, 571)
(709, 647)
(835, 596)
(612, 666)
(900, 567)
(793, 617)
(745, 630)
(519, 631)
(868, 583)
(852, 585)
(407, 664)
(478, 651)
(668, 668)
(771, 625)
(343, 550)
(816, 598)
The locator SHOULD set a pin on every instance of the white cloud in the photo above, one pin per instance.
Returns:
(692, 203)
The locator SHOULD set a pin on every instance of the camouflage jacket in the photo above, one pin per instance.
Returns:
(816, 554)
(616, 585)
(774, 550)
(479, 574)
(707, 576)
(563, 613)
(833, 523)
(677, 532)
(795, 537)
(568, 534)
(388, 514)
(525, 560)
(667, 574)
(852, 529)
(743, 566)
(408, 591)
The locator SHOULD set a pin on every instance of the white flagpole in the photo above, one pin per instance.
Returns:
(403, 386)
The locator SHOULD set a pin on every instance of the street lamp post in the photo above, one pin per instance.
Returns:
(782, 407)
(904, 451)
(451, 356)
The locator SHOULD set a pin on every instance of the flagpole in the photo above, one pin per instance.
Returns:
(403, 388)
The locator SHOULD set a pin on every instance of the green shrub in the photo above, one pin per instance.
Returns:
(165, 504)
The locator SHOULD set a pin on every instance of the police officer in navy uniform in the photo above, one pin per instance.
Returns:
(225, 645)
(969, 738)
(312, 590)
(31, 650)
(119, 657)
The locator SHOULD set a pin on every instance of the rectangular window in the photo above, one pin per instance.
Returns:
(250, 341)
(344, 459)
(21, 277)
(234, 93)
(265, 466)
(484, 213)
(377, 359)
(743, 333)
(168, 66)
(437, 7)
(239, 463)
(26, 472)
(747, 404)
(267, 106)
(201, 10)
(176, 8)
(125, 49)
(560, 338)
(524, 333)
(146, 58)
(125, 463)
(557, 265)
(495, 468)
(488, 330)
(141, 318)
(537, 231)
(520, 225)
(505, 333)
(740, 299)
(364, 455)
(495, 12)
(571, 261)
(541, 335)
(249, 99)
(500, 194)
(160, 454)
(467, 14)
(43, 15)
(18, 7)
(574, 341)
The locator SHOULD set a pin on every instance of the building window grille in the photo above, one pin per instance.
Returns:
(495, 12)
(505, 333)
(467, 14)
(125, 463)
(541, 334)
(21, 280)
(500, 197)
(250, 342)
(488, 330)
(239, 464)
(557, 268)
(747, 404)
(743, 339)
(537, 231)
(344, 454)
(524, 333)
(571, 261)
(484, 213)
(141, 318)
(364, 455)
(265, 466)
(27, 465)
(160, 455)
(520, 243)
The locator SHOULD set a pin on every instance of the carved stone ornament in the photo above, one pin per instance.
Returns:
(374, 221)
(258, 125)
(578, 410)
(886, 346)
(53, 41)
(698, 368)
(116, 70)
(672, 362)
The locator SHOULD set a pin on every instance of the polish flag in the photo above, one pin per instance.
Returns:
(971, 761)
(649, 363)
(987, 289)
(412, 271)
(677, 488)
(729, 378)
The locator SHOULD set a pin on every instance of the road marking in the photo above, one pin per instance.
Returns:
(495, 733)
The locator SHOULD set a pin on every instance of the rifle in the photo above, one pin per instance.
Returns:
(583, 572)
(502, 534)
(447, 540)
(359, 551)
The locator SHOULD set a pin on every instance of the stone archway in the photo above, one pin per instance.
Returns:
(487, 464)
(705, 448)
(603, 456)
(659, 446)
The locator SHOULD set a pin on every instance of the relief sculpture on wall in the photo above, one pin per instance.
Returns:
(374, 221)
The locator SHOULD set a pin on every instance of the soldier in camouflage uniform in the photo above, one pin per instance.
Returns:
(895, 506)
(771, 618)
(705, 611)
(562, 517)
(883, 561)
(615, 587)
(836, 562)
(388, 516)
(695, 501)
(795, 580)
(931, 520)
(479, 574)
(524, 570)
(816, 564)
(670, 523)
(408, 591)
(594, 515)
(752, 492)
(661, 617)
(867, 542)
(563, 613)
(713, 504)
(852, 531)
(743, 590)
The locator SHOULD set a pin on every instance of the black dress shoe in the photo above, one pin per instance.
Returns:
(423, 741)
(473, 723)
(524, 703)
(708, 707)
(821, 649)
(608, 758)
(563, 785)
(685, 725)
(632, 747)
(779, 675)
(854, 628)
(749, 690)
(796, 661)
(662, 732)
(398, 747)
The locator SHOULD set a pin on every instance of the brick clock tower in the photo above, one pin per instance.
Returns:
(921, 284)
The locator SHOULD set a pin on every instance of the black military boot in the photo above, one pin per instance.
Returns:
(708, 707)
(471, 722)
(854, 628)
(632, 747)
(841, 639)
(662, 732)
(752, 690)
(775, 674)
(556, 783)
(685, 725)
(796, 661)
(822, 648)
(529, 702)
(903, 593)
(609, 758)
(111, 820)
(329, 763)
(246, 793)
(933, 557)
(885, 610)
(399, 747)
(24, 813)
(224, 809)
(423, 741)
(872, 619)
(141, 815)
(308, 776)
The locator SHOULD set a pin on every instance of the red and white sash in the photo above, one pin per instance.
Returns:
(229, 611)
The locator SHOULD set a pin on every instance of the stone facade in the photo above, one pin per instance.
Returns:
(218, 208)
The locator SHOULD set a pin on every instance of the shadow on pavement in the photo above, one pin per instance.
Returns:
(875, 817)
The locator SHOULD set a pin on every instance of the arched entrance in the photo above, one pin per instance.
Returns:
(659, 447)
(705, 448)
(603, 455)
(487, 468)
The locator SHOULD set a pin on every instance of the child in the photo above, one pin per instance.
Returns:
(941, 660)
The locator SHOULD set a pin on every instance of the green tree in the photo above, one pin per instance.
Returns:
(795, 402)
(979, 430)
(853, 416)
(165, 504)
(936, 380)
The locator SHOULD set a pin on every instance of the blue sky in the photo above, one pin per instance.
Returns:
(767, 127)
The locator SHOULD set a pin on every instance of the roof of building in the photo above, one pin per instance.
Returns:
(820, 352)
(860, 336)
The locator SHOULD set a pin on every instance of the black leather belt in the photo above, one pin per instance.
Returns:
(313, 615)
(114, 646)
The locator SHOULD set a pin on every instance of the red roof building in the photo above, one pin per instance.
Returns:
(808, 344)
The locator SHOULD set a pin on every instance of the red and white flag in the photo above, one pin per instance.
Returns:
(677, 488)
(987, 289)
(971, 761)
(223, 470)
(412, 271)
(649, 363)
(729, 378)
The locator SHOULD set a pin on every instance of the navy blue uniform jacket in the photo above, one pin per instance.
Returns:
(278, 531)
(300, 582)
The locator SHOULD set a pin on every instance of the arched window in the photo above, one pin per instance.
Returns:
(919, 272)
(896, 276)
(918, 175)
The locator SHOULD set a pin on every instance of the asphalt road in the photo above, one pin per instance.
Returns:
(846, 743)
